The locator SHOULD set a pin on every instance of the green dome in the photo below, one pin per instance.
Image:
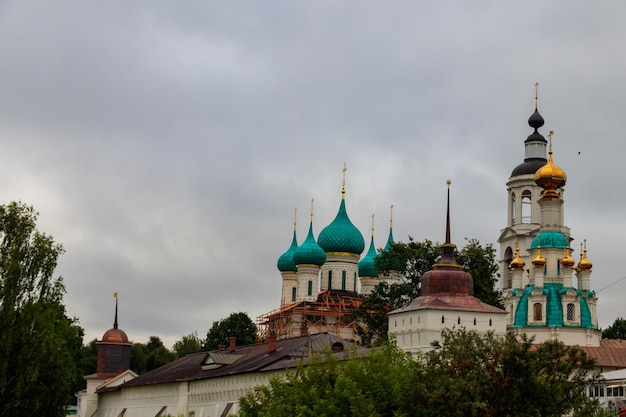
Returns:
(341, 235)
(550, 239)
(389, 240)
(554, 307)
(309, 252)
(285, 262)
(366, 265)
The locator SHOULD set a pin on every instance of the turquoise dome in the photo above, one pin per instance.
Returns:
(550, 239)
(366, 265)
(389, 240)
(554, 307)
(285, 262)
(309, 252)
(341, 235)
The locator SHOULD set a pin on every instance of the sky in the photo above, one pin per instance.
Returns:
(166, 144)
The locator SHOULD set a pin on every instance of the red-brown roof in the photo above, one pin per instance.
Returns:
(610, 354)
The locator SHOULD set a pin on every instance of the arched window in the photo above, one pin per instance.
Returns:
(537, 312)
(513, 213)
(443, 319)
(507, 279)
(458, 321)
(526, 207)
(570, 312)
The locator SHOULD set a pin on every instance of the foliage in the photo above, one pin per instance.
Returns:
(39, 343)
(412, 260)
(486, 375)
(188, 344)
(617, 330)
(237, 325)
(362, 386)
(149, 356)
(468, 374)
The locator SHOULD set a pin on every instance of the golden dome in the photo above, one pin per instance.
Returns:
(550, 177)
(539, 261)
(584, 264)
(568, 261)
(517, 263)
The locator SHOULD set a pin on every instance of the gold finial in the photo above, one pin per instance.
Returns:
(550, 136)
(536, 96)
(448, 182)
(295, 217)
(115, 295)
(585, 263)
(391, 216)
(372, 225)
(581, 251)
(312, 200)
(343, 182)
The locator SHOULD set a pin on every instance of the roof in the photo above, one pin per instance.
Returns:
(341, 235)
(245, 359)
(449, 302)
(610, 354)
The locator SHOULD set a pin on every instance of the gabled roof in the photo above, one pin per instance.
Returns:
(245, 359)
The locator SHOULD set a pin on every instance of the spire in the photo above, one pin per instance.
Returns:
(447, 249)
(115, 321)
(343, 182)
(390, 238)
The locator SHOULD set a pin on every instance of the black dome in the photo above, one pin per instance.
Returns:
(529, 166)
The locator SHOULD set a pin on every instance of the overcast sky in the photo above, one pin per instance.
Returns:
(166, 143)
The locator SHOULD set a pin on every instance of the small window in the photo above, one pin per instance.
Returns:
(310, 289)
(538, 312)
(490, 322)
(330, 280)
(443, 319)
(474, 321)
(570, 312)
(458, 321)
(293, 294)
(343, 280)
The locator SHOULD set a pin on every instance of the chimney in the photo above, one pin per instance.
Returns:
(233, 344)
(221, 347)
(304, 331)
(271, 343)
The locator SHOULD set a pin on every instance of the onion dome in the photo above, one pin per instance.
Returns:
(584, 264)
(550, 177)
(535, 146)
(285, 262)
(539, 261)
(550, 239)
(341, 235)
(366, 265)
(568, 262)
(517, 263)
(309, 252)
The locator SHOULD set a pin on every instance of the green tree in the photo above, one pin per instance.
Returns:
(188, 344)
(237, 325)
(158, 354)
(617, 330)
(39, 343)
(469, 374)
(362, 386)
(412, 260)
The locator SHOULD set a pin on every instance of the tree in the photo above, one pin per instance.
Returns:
(470, 374)
(361, 386)
(617, 330)
(157, 354)
(237, 325)
(412, 260)
(187, 345)
(39, 343)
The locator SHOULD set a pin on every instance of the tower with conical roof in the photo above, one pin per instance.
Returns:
(113, 350)
(308, 257)
(343, 244)
(288, 269)
(446, 301)
(543, 301)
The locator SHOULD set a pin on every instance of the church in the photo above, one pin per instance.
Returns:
(546, 294)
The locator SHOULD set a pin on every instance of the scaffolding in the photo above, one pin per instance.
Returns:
(330, 313)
